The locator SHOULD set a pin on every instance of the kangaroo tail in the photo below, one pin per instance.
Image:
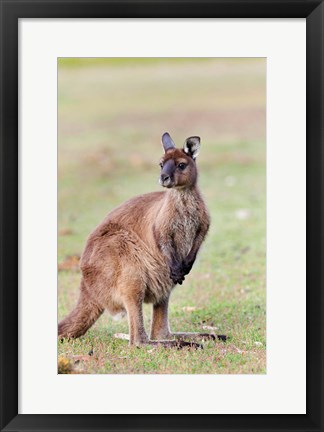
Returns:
(82, 317)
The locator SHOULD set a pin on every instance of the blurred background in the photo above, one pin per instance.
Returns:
(111, 116)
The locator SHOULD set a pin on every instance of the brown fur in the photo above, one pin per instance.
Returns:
(140, 251)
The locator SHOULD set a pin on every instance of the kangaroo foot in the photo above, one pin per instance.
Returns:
(179, 344)
(191, 335)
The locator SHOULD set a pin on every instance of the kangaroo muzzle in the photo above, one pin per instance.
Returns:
(166, 176)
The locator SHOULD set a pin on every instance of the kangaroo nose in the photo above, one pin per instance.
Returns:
(165, 177)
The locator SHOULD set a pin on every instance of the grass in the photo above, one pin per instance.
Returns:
(112, 114)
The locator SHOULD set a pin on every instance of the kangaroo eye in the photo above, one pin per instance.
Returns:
(182, 166)
(161, 164)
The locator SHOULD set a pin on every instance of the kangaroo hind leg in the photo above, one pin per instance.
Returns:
(160, 327)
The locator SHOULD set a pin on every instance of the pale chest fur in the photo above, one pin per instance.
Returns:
(185, 221)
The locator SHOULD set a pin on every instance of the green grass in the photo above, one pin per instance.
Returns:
(111, 117)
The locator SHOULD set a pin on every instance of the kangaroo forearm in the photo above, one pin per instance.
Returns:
(176, 268)
(191, 257)
(179, 266)
(169, 251)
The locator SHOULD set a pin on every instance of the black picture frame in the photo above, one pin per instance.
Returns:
(11, 11)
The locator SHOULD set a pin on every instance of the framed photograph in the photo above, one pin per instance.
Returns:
(133, 97)
(154, 152)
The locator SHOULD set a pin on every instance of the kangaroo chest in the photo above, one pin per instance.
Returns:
(177, 224)
(184, 227)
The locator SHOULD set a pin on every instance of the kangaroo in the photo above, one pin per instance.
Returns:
(142, 250)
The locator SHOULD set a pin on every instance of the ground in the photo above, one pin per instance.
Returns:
(111, 116)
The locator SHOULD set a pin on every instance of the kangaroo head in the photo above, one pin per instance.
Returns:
(178, 166)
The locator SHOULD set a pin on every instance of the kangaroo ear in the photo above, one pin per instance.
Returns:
(167, 142)
(192, 146)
